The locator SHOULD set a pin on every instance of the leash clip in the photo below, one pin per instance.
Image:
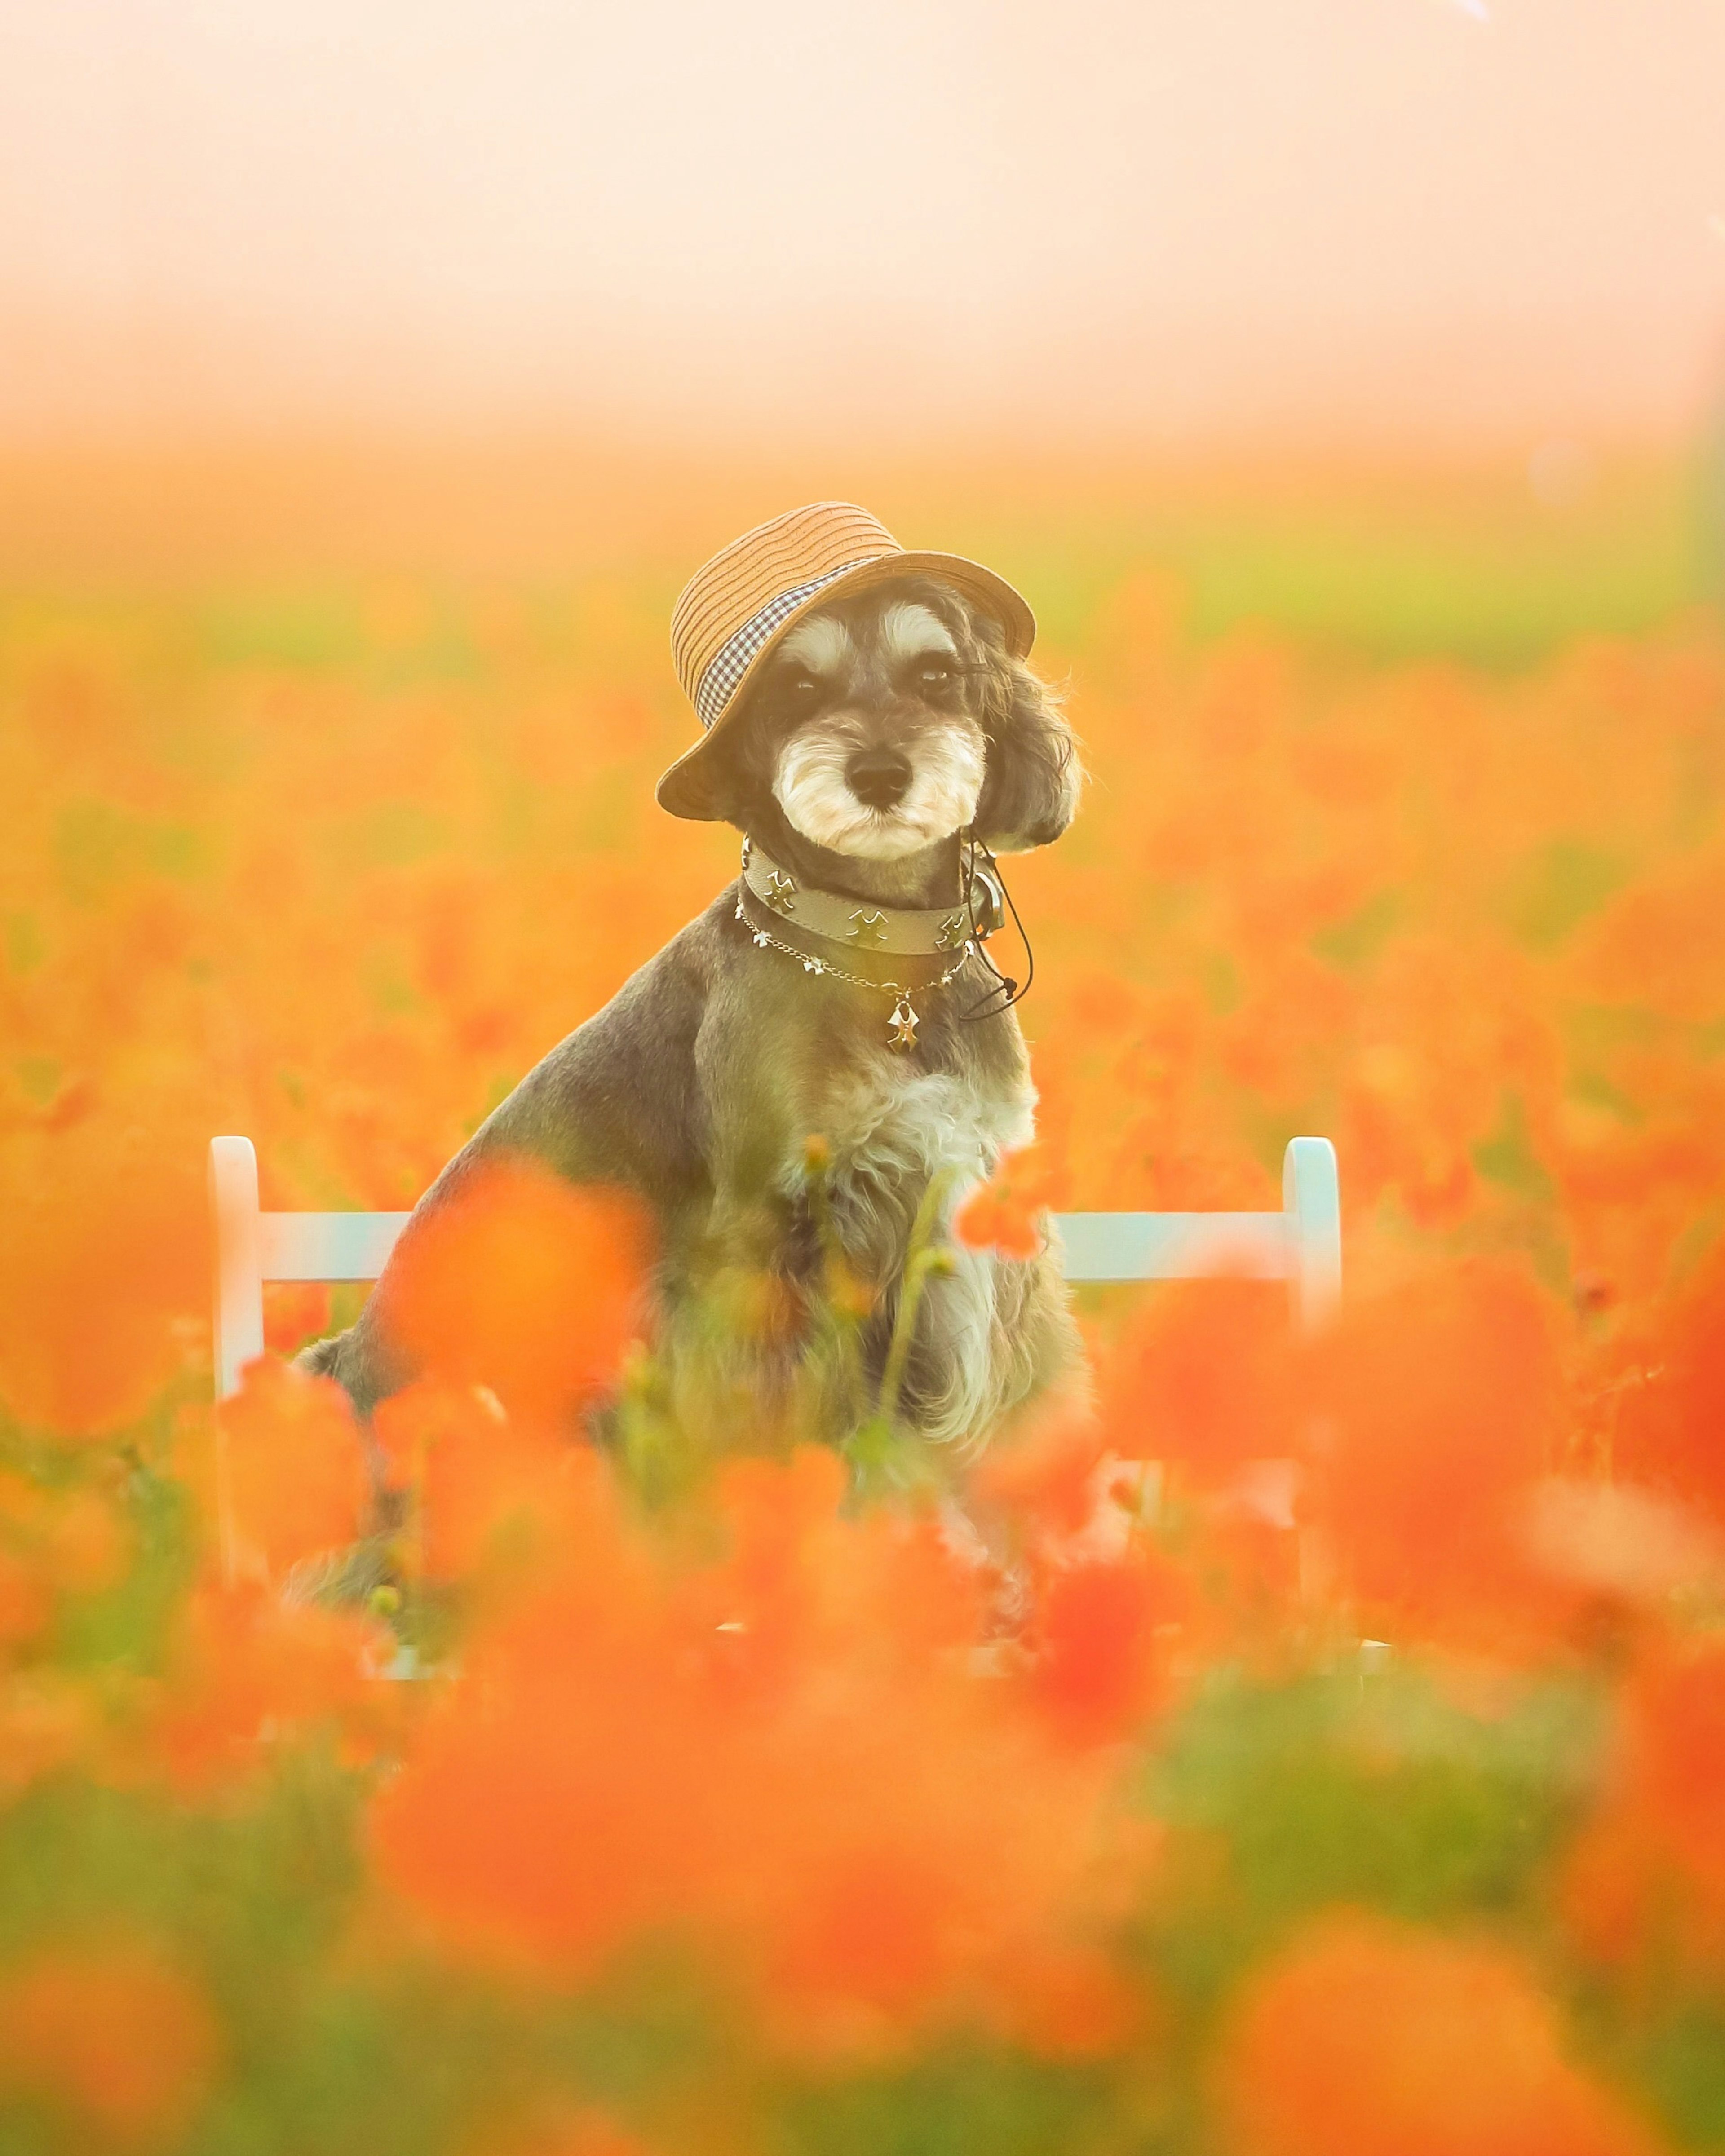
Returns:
(987, 900)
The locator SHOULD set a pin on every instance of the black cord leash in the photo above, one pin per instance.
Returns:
(990, 1005)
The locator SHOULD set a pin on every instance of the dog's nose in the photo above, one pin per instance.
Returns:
(879, 777)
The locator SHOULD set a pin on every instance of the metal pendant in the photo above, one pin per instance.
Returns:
(903, 1023)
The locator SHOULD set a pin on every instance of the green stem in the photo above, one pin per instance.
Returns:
(921, 1258)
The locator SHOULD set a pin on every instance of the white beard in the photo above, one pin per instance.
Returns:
(947, 771)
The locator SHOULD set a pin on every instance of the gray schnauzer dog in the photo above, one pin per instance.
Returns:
(874, 732)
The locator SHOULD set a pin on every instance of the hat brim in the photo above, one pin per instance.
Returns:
(686, 788)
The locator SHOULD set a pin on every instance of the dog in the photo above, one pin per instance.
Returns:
(877, 739)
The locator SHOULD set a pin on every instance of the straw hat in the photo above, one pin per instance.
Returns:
(736, 608)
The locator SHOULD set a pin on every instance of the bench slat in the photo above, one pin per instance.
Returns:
(1134, 1246)
(1099, 1247)
(326, 1246)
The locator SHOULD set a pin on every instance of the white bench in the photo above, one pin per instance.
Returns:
(1301, 1244)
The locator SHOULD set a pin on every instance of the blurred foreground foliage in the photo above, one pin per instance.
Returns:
(736, 1813)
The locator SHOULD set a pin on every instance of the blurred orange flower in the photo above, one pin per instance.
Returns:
(523, 1283)
(1204, 1376)
(1675, 1712)
(1100, 1668)
(560, 2131)
(294, 1312)
(245, 1671)
(1668, 1426)
(1364, 2039)
(1432, 1410)
(104, 1249)
(467, 1470)
(112, 2031)
(53, 1541)
(1045, 1484)
(294, 1470)
(1005, 1213)
(781, 1756)
(25, 1599)
(1648, 1873)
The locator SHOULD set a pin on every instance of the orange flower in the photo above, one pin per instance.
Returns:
(1608, 1889)
(294, 1312)
(25, 1599)
(52, 1541)
(1649, 1871)
(84, 1543)
(1045, 1484)
(246, 1673)
(468, 1470)
(49, 1720)
(294, 1472)
(1005, 1213)
(1662, 944)
(1435, 1409)
(103, 1250)
(1076, 2002)
(1364, 2039)
(523, 1283)
(1101, 1669)
(781, 1756)
(560, 2131)
(547, 1814)
(1675, 1737)
(1668, 1428)
(1204, 1377)
(112, 2031)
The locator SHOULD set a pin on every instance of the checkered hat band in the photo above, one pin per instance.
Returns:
(733, 658)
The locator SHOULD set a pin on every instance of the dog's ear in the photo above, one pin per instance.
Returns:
(738, 776)
(1030, 790)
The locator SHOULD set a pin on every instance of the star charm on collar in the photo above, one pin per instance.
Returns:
(868, 929)
(780, 892)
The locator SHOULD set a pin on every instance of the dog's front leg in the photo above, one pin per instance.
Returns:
(740, 1342)
(992, 1334)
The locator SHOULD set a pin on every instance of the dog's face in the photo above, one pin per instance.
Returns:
(895, 719)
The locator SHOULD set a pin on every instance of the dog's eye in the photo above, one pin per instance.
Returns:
(934, 674)
(804, 686)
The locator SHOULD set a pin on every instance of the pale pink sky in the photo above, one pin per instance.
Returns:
(1180, 218)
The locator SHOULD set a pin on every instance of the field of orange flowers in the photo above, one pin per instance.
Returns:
(735, 1815)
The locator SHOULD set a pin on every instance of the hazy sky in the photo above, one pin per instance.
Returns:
(1178, 215)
